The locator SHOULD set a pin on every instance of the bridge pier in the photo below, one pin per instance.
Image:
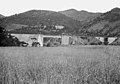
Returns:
(40, 40)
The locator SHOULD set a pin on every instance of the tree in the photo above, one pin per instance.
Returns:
(3, 35)
(6, 39)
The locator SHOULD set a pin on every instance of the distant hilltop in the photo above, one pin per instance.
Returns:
(74, 22)
(2, 16)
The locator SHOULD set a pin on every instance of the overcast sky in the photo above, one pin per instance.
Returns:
(10, 7)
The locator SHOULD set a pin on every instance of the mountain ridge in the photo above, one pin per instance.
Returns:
(80, 15)
(2, 16)
(106, 24)
(39, 17)
(74, 21)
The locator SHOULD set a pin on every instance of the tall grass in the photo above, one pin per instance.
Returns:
(105, 71)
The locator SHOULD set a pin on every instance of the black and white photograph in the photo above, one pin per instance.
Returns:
(60, 42)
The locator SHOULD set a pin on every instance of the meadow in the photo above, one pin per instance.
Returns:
(60, 65)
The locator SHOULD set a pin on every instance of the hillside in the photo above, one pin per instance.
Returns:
(82, 16)
(1, 16)
(37, 18)
(107, 24)
(73, 22)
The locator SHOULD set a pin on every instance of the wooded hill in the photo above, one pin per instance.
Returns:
(83, 16)
(37, 18)
(107, 24)
(1, 16)
(74, 22)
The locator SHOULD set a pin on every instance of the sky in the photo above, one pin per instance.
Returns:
(11, 7)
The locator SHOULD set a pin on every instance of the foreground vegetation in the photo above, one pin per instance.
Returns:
(7, 39)
(60, 65)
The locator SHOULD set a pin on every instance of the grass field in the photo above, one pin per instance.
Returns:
(60, 65)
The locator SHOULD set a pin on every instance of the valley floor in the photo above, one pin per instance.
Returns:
(47, 65)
